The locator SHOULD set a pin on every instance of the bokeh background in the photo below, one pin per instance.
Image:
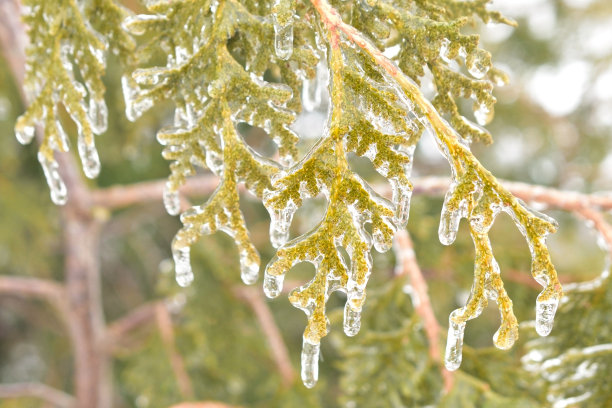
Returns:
(552, 127)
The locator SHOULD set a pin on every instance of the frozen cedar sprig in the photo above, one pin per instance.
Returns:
(68, 36)
(217, 83)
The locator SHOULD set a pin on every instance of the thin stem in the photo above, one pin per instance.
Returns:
(408, 265)
(48, 394)
(275, 339)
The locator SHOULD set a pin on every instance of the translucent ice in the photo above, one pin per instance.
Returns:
(454, 344)
(545, 315)
(57, 187)
(483, 114)
(89, 156)
(310, 363)
(23, 132)
(182, 265)
(273, 284)
(352, 319)
(98, 115)
(171, 199)
(249, 268)
(283, 40)
(478, 63)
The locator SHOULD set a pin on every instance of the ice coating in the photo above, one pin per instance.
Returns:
(478, 63)
(483, 113)
(283, 40)
(134, 107)
(98, 115)
(545, 315)
(249, 267)
(454, 343)
(273, 284)
(182, 265)
(280, 221)
(57, 188)
(24, 132)
(310, 362)
(89, 156)
(352, 319)
(171, 199)
(314, 91)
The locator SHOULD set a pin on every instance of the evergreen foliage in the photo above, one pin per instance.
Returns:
(230, 67)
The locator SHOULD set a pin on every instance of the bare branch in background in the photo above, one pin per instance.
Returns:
(48, 394)
(166, 329)
(256, 302)
(407, 265)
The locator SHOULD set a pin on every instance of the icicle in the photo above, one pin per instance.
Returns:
(504, 338)
(381, 242)
(98, 115)
(449, 225)
(24, 132)
(133, 108)
(483, 114)
(545, 315)
(310, 362)
(283, 39)
(89, 156)
(249, 268)
(182, 265)
(445, 50)
(57, 187)
(352, 319)
(280, 221)
(454, 344)
(313, 90)
(478, 63)
(171, 199)
(273, 284)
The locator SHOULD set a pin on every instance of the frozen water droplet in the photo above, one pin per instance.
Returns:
(310, 363)
(545, 315)
(352, 320)
(171, 199)
(483, 114)
(505, 337)
(98, 115)
(89, 156)
(59, 194)
(478, 63)
(381, 242)
(449, 225)
(134, 107)
(182, 265)
(249, 268)
(214, 161)
(283, 40)
(24, 133)
(454, 344)
(273, 284)
(280, 221)
(445, 50)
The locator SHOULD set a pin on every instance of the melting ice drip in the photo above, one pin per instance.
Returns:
(310, 362)
(283, 37)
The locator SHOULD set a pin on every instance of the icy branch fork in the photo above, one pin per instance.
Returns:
(213, 93)
(60, 34)
(474, 194)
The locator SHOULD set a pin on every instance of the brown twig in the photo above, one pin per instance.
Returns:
(265, 318)
(166, 330)
(408, 265)
(124, 196)
(118, 330)
(48, 394)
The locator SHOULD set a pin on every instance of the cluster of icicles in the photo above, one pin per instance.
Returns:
(312, 98)
(97, 121)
